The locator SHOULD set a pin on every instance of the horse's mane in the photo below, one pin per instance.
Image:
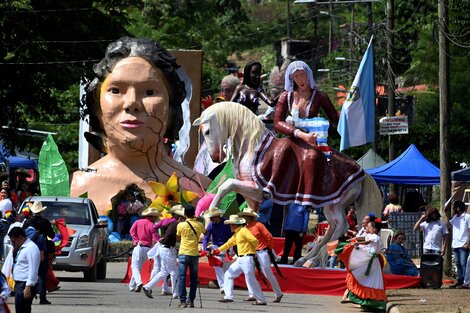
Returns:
(237, 120)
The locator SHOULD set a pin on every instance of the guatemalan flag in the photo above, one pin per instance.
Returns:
(357, 120)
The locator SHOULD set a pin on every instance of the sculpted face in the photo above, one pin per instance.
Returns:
(134, 104)
(300, 78)
(255, 75)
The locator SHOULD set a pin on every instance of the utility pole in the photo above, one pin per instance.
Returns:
(288, 19)
(444, 112)
(370, 25)
(392, 152)
(330, 28)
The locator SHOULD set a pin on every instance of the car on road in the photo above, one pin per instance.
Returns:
(87, 248)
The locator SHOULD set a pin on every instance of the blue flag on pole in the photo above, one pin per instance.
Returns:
(357, 120)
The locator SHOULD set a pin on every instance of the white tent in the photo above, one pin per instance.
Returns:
(371, 160)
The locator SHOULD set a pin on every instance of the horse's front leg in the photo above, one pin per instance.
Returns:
(248, 189)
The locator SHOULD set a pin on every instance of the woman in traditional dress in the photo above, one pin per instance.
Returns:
(324, 174)
(364, 264)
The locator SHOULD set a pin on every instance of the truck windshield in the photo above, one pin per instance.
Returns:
(73, 213)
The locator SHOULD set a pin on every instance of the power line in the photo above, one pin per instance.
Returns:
(51, 62)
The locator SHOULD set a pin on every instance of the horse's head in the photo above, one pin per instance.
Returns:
(213, 135)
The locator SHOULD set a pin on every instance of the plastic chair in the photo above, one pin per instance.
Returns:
(386, 235)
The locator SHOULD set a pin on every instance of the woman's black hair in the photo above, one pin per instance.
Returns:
(8, 191)
(154, 53)
(247, 72)
(377, 225)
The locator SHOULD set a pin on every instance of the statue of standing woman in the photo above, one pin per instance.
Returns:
(251, 90)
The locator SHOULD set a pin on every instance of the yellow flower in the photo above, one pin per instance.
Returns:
(168, 194)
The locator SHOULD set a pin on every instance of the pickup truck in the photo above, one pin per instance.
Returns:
(86, 249)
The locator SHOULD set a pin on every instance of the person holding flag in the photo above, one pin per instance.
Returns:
(263, 252)
(218, 233)
(246, 244)
(357, 120)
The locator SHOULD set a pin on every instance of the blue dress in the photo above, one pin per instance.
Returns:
(400, 261)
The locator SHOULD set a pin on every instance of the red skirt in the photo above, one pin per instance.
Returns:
(292, 171)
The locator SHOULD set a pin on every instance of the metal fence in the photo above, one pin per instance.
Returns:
(405, 222)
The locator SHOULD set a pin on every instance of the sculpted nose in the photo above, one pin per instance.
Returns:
(132, 102)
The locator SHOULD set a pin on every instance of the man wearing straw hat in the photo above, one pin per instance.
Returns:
(44, 227)
(141, 232)
(167, 253)
(246, 244)
(218, 233)
(154, 253)
(265, 245)
(188, 234)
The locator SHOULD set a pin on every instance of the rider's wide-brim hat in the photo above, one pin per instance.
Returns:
(178, 212)
(212, 212)
(37, 207)
(235, 220)
(248, 212)
(151, 212)
(175, 208)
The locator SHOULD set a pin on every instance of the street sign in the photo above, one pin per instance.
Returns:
(394, 125)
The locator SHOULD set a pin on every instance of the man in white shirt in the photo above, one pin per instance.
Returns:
(460, 240)
(25, 269)
(434, 231)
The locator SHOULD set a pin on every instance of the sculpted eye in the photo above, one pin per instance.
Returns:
(206, 133)
(149, 92)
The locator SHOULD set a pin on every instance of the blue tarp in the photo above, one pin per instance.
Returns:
(17, 161)
(410, 168)
(461, 175)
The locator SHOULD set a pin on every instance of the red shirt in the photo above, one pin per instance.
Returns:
(352, 225)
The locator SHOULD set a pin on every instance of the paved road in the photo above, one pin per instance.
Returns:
(112, 296)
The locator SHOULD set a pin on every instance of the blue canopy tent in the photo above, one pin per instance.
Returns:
(19, 162)
(410, 168)
(461, 175)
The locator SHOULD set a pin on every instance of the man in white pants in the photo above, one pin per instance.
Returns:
(217, 233)
(246, 244)
(168, 255)
(154, 253)
(141, 232)
(265, 244)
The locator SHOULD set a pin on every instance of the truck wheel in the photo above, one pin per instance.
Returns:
(90, 274)
(101, 268)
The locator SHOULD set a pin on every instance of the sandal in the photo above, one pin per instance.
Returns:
(249, 299)
(259, 303)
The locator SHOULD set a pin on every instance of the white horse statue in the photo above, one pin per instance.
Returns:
(226, 120)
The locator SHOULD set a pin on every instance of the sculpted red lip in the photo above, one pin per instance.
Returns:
(131, 123)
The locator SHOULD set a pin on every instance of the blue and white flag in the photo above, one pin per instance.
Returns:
(357, 120)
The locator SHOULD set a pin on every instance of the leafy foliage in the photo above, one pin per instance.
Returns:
(47, 46)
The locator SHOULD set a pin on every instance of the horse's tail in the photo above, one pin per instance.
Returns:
(370, 199)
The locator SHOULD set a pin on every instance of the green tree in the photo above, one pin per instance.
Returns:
(47, 46)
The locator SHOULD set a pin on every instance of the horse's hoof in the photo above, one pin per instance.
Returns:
(299, 263)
